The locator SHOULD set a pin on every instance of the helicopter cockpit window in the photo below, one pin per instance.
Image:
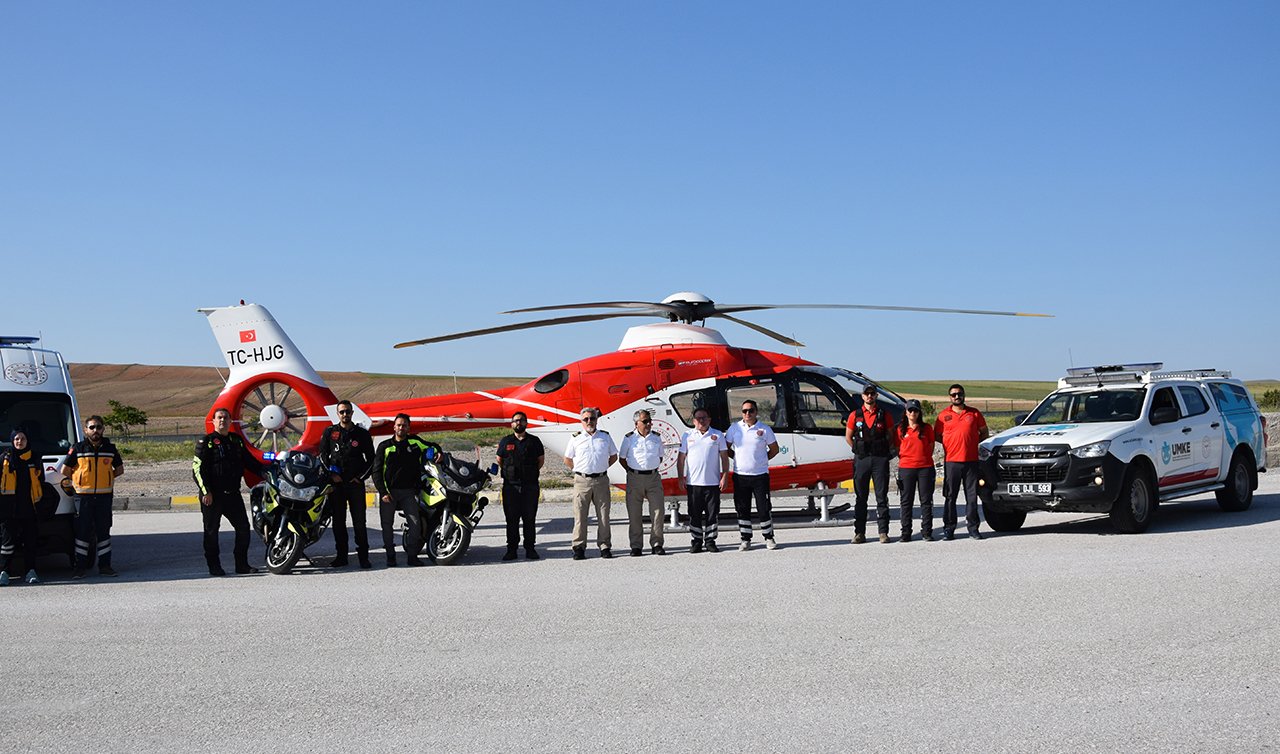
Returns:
(552, 382)
(769, 402)
(817, 409)
(685, 404)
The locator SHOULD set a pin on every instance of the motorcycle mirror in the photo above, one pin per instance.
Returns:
(431, 454)
(493, 469)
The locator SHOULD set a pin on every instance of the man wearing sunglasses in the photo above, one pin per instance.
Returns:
(960, 428)
(346, 449)
(520, 460)
(751, 444)
(705, 456)
(641, 455)
(870, 434)
(591, 452)
(93, 465)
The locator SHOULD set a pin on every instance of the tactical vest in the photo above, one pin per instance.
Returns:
(871, 439)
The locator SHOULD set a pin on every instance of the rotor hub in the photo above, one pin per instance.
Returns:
(273, 418)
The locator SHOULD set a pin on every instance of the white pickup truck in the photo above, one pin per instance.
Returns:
(1122, 439)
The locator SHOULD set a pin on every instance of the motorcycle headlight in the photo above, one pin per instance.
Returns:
(983, 452)
(297, 493)
(1093, 450)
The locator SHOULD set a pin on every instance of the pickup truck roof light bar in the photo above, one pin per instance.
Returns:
(1189, 374)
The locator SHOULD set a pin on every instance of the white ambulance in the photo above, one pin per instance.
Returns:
(36, 396)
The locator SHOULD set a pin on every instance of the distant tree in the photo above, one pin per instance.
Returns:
(122, 417)
(927, 408)
(1270, 399)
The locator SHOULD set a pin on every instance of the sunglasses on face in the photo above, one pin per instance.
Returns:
(913, 410)
(957, 395)
(93, 427)
(748, 410)
(588, 418)
(344, 413)
(646, 421)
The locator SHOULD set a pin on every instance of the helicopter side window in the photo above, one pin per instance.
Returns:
(772, 410)
(816, 407)
(552, 382)
(685, 404)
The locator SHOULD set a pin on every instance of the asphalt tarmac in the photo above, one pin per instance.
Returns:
(1062, 637)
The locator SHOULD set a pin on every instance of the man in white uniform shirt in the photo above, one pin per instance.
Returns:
(704, 455)
(591, 452)
(641, 455)
(751, 445)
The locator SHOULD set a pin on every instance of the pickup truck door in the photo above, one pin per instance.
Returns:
(1170, 444)
(1206, 433)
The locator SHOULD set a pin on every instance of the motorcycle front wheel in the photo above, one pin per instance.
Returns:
(283, 551)
(447, 550)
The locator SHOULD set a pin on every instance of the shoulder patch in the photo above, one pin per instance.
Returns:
(629, 434)
(575, 434)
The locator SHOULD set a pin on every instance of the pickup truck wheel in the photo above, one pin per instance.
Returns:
(1133, 510)
(1238, 495)
(1003, 520)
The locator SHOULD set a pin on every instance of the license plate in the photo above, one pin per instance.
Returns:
(1040, 488)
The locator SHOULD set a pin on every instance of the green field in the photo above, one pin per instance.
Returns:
(995, 389)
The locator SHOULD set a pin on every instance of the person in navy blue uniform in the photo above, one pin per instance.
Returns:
(348, 448)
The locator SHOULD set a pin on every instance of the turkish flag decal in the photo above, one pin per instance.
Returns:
(248, 336)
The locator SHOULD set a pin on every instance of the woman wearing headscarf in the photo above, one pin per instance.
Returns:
(21, 486)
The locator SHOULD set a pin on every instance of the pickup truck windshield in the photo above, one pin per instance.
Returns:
(1116, 405)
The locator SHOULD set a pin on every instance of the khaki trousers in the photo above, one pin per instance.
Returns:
(585, 492)
(640, 487)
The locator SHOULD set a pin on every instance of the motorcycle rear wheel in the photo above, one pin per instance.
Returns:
(450, 550)
(283, 552)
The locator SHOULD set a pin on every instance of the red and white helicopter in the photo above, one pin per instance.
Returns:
(279, 402)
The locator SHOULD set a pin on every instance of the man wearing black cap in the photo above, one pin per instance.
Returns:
(870, 435)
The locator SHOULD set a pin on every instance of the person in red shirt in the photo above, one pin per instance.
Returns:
(960, 428)
(916, 474)
(871, 435)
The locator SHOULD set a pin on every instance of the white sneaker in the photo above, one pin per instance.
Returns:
(769, 543)
(744, 545)
(32, 578)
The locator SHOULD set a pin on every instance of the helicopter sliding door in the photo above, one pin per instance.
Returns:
(817, 409)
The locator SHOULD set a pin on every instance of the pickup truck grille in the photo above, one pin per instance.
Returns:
(1031, 472)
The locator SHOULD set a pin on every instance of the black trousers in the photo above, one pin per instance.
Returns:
(748, 487)
(866, 471)
(704, 512)
(18, 536)
(93, 524)
(520, 506)
(349, 495)
(228, 505)
(405, 501)
(913, 483)
(958, 474)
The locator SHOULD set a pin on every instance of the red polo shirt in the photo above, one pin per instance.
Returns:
(959, 433)
(914, 451)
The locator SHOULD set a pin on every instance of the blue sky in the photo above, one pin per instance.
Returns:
(386, 171)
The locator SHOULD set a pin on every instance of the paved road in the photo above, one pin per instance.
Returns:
(1064, 637)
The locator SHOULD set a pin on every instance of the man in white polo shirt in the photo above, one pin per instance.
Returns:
(707, 457)
(751, 445)
(591, 452)
(641, 455)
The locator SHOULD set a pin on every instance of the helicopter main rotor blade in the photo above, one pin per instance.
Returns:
(522, 326)
(721, 308)
(765, 331)
(658, 307)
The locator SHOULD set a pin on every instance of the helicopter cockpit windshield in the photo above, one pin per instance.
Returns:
(824, 397)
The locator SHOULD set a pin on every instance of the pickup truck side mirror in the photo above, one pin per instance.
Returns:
(1020, 418)
(1164, 415)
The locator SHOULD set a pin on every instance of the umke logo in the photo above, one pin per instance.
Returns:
(248, 336)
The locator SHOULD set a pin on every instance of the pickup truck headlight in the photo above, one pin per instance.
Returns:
(983, 452)
(1093, 450)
